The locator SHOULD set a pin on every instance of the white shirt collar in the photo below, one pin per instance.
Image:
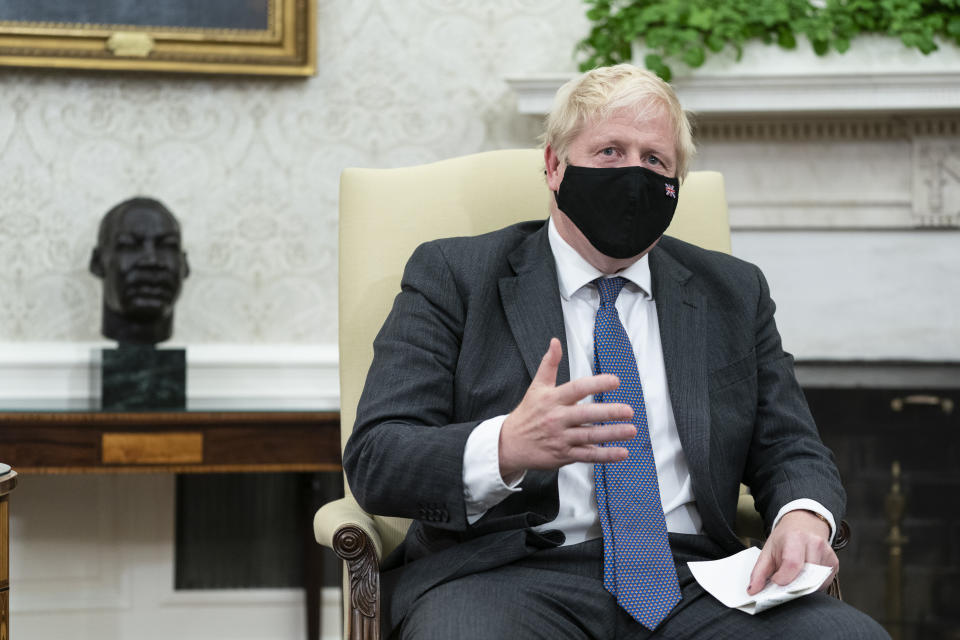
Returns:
(573, 272)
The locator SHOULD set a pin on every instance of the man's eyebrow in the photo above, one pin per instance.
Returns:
(608, 140)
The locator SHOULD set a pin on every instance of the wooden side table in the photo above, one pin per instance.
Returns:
(181, 442)
(8, 480)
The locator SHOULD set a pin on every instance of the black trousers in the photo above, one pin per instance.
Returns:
(558, 594)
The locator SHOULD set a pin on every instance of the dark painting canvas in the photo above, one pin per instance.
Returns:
(208, 14)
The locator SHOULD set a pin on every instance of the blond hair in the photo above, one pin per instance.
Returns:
(597, 93)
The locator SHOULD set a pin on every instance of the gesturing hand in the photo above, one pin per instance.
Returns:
(799, 537)
(548, 429)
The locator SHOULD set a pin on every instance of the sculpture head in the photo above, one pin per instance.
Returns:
(139, 257)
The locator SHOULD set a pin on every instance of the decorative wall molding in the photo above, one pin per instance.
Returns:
(712, 96)
(826, 127)
(877, 74)
(936, 181)
(837, 172)
(54, 376)
(48, 572)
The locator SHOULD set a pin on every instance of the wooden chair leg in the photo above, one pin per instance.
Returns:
(841, 540)
(8, 480)
(311, 496)
(357, 550)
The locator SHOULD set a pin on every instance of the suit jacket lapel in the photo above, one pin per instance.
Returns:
(531, 301)
(681, 312)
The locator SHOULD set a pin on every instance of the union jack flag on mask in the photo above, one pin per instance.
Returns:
(671, 191)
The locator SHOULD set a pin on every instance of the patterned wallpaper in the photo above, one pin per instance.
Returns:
(250, 166)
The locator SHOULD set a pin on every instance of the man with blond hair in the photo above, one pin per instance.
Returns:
(566, 410)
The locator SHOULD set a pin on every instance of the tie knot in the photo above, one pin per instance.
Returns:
(609, 289)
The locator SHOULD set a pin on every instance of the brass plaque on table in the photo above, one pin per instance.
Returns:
(152, 448)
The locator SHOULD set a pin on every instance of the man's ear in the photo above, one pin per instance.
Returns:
(552, 163)
(96, 263)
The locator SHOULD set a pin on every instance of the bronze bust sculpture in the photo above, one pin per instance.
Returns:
(139, 257)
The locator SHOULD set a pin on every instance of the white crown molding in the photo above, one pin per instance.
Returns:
(876, 75)
(820, 93)
(64, 376)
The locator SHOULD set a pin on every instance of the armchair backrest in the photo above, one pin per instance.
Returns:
(386, 213)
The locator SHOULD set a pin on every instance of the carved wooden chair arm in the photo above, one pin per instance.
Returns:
(841, 540)
(357, 550)
(352, 534)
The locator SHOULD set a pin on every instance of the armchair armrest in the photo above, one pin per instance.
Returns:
(352, 534)
(339, 513)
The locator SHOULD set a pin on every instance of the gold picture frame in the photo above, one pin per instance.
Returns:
(261, 37)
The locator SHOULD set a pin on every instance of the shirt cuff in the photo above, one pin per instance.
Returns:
(806, 504)
(483, 488)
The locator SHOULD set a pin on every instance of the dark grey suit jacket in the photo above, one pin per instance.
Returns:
(462, 343)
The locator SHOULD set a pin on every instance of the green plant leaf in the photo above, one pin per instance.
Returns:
(691, 30)
(715, 42)
(596, 14)
(694, 57)
(786, 39)
(701, 18)
(953, 27)
(927, 46)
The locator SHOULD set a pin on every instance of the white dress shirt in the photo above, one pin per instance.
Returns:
(579, 300)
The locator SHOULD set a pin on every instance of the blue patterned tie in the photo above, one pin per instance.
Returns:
(637, 563)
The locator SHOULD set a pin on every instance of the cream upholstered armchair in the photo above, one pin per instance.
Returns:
(384, 215)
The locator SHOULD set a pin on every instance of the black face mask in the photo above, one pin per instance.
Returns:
(620, 210)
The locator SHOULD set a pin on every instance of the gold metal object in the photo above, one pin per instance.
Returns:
(895, 507)
(134, 45)
(945, 404)
(152, 448)
(286, 47)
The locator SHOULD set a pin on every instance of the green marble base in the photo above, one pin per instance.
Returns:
(142, 377)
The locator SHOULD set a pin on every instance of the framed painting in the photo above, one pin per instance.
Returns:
(265, 37)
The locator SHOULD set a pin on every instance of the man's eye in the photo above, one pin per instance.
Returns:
(654, 160)
(609, 151)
